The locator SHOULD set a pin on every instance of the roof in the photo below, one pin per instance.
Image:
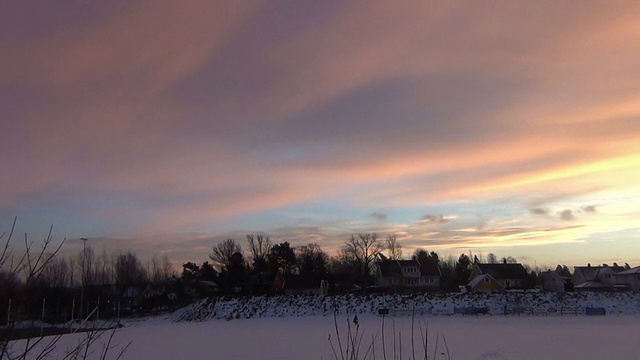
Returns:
(478, 279)
(590, 273)
(407, 263)
(616, 268)
(390, 268)
(591, 284)
(430, 269)
(632, 271)
(504, 271)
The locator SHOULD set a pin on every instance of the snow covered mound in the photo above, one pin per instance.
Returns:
(314, 305)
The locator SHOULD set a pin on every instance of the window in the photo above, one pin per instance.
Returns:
(486, 279)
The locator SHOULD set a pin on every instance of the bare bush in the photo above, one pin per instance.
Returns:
(23, 276)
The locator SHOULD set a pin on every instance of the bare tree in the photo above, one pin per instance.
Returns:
(103, 263)
(312, 262)
(71, 263)
(86, 261)
(259, 247)
(361, 252)
(56, 273)
(223, 252)
(394, 248)
(129, 270)
(33, 267)
(159, 269)
(492, 258)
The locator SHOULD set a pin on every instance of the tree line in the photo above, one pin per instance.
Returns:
(120, 281)
(37, 281)
(354, 266)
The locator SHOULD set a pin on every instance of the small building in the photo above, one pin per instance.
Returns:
(629, 278)
(508, 275)
(552, 281)
(484, 283)
(596, 278)
(408, 275)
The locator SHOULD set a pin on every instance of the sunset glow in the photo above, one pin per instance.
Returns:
(161, 126)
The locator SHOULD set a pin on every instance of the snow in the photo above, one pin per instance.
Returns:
(482, 337)
(316, 305)
(299, 328)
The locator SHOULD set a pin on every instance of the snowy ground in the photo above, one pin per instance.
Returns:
(293, 306)
(469, 337)
(281, 327)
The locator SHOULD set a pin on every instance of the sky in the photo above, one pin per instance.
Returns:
(165, 127)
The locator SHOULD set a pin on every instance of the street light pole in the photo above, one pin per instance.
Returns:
(84, 254)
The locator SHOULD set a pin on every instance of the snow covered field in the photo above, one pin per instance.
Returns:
(468, 337)
(298, 327)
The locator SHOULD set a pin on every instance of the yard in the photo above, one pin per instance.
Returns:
(467, 337)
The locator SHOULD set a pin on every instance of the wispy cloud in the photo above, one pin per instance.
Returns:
(434, 219)
(167, 118)
(539, 211)
(566, 215)
(379, 215)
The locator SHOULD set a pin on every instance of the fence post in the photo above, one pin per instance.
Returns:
(9, 312)
(44, 302)
(73, 310)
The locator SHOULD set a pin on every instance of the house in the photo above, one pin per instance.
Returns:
(408, 275)
(484, 283)
(266, 282)
(629, 278)
(552, 281)
(596, 278)
(508, 275)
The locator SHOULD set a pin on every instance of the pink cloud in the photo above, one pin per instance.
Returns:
(189, 113)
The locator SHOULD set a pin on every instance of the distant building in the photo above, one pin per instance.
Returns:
(484, 283)
(402, 275)
(508, 275)
(596, 278)
(552, 281)
(629, 278)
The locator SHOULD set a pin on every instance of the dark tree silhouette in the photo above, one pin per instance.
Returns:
(463, 269)
(282, 258)
(312, 263)
(223, 252)
(259, 248)
(360, 253)
(393, 247)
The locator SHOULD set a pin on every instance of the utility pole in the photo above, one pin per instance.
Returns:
(84, 254)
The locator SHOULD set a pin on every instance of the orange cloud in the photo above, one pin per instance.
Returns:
(186, 113)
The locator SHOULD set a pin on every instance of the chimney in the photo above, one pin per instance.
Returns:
(504, 261)
(589, 265)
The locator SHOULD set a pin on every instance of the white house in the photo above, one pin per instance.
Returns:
(408, 274)
(595, 278)
(551, 281)
(629, 278)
